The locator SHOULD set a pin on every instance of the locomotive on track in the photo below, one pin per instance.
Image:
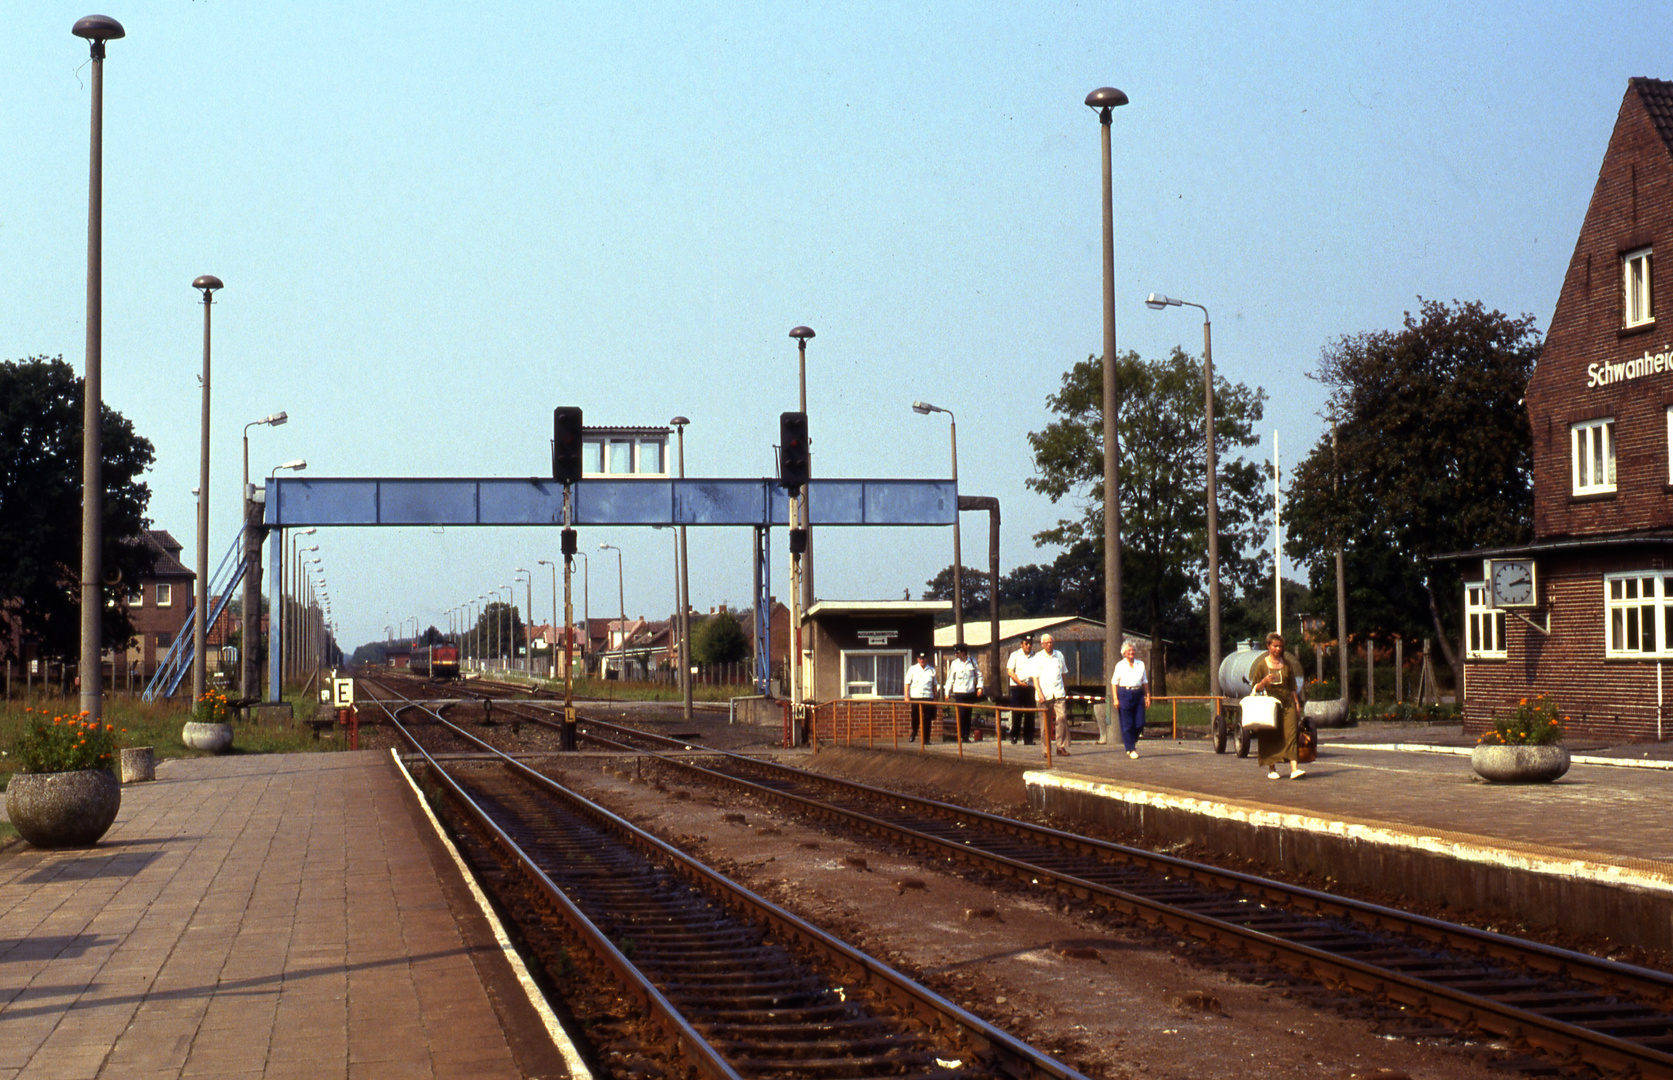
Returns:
(435, 661)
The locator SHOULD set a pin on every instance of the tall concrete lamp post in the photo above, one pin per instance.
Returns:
(249, 675)
(206, 284)
(1103, 100)
(621, 597)
(552, 645)
(1157, 302)
(97, 29)
(924, 408)
(528, 617)
(679, 423)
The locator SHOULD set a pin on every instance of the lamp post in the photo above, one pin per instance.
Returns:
(278, 608)
(1103, 100)
(586, 605)
(924, 408)
(206, 284)
(684, 583)
(97, 29)
(291, 637)
(805, 574)
(1157, 302)
(621, 597)
(528, 613)
(552, 645)
(249, 668)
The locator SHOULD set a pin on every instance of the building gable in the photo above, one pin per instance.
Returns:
(1603, 384)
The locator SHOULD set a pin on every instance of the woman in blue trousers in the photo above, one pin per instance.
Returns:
(1131, 685)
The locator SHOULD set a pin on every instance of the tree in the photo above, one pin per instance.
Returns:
(491, 638)
(1433, 454)
(975, 589)
(40, 508)
(1163, 471)
(719, 639)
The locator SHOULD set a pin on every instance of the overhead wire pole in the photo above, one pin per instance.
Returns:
(207, 284)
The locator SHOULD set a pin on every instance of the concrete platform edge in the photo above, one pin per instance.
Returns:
(1615, 901)
(560, 1038)
(1464, 751)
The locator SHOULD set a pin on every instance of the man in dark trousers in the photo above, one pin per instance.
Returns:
(1019, 672)
(920, 693)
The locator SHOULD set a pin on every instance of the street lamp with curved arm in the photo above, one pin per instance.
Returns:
(1158, 302)
(924, 408)
(621, 597)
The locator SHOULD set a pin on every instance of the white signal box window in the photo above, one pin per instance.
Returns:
(625, 451)
(1594, 456)
(1638, 299)
(165, 594)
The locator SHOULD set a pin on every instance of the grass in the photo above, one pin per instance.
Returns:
(158, 726)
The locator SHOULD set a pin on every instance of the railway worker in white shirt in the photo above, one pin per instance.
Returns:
(964, 685)
(920, 692)
(1019, 669)
(1050, 672)
(1130, 687)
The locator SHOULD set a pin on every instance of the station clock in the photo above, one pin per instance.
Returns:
(1512, 583)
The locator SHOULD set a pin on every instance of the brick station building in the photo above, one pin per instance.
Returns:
(1584, 612)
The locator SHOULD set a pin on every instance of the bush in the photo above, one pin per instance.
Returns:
(1407, 713)
(1535, 723)
(66, 744)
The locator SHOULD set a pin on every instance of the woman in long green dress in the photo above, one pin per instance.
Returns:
(1277, 675)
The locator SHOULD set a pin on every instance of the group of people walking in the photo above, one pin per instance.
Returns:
(1037, 683)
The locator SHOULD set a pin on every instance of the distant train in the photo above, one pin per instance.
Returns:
(435, 661)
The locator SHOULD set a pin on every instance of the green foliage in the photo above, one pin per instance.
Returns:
(974, 586)
(40, 506)
(66, 744)
(1534, 723)
(492, 637)
(212, 708)
(1406, 712)
(1163, 472)
(719, 639)
(1433, 455)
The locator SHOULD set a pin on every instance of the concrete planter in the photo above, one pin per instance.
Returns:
(63, 810)
(139, 764)
(215, 738)
(1519, 764)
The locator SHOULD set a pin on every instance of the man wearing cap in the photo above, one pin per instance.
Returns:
(920, 692)
(1019, 669)
(964, 684)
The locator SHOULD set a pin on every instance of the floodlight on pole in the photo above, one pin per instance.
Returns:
(924, 408)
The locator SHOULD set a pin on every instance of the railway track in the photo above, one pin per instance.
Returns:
(1572, 1007)
(734, 985)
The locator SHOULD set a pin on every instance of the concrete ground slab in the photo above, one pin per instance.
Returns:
(257, 915)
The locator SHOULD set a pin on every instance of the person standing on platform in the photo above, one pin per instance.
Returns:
(920, 692)
(1050, 686)
(1279, 675)
(1130, 687)
(1019, 669)
(964, 685)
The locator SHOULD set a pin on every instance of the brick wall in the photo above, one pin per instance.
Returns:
(1631, 208)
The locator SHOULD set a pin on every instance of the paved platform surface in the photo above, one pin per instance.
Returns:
(1606, 816)
(256, 916)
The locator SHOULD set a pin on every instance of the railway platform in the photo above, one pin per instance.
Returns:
(1399, 811)
(260, 916)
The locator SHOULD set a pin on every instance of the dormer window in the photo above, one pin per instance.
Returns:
(1637, 300)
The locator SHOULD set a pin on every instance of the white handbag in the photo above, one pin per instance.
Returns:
(1260, 713)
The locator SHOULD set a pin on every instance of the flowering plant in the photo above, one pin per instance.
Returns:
(66, 744)
(1535, 723)
(212, 708)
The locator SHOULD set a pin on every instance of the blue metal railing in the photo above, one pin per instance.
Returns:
(178, 660)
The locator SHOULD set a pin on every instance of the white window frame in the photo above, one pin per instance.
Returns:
(1670, 444)
(1484, 625)
(905, 660)
(136, 595)
(1638, 612)
(1592, 453)
(164, 594)
(1637, 288)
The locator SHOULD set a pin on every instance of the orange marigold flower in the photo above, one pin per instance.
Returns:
(110, 727)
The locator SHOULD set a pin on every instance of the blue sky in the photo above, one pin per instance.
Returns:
(437, 222)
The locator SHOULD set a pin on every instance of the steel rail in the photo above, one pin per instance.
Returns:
(656, 1005)
(1018, 1058)
(1469, 1011)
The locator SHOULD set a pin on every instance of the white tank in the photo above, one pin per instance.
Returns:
(1234, 669)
